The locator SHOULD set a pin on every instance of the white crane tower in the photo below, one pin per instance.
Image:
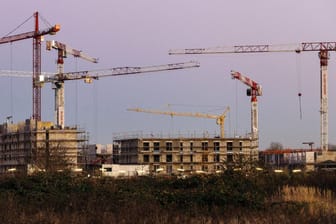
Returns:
(58, 86)
(254, 91)
(323, 49)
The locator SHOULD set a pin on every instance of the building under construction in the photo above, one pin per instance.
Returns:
(185, 155)
(33, 145)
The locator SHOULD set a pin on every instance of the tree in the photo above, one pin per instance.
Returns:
(276, 145)
(52, 157)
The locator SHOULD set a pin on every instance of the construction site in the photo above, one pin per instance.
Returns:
(35, 145)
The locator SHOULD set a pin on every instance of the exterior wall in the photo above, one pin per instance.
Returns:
(24, 149)
(89, 155)
(128, 151)
(104, 149)
(290, 158)
(325, 156)
(61, 143)
(97, 154)
(184, 154)
(116, 170)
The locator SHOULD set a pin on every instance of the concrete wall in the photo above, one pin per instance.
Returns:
(117, 170)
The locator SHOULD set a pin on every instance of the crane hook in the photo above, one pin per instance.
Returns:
(300, 94)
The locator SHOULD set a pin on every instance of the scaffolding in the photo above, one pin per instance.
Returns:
(26, 149)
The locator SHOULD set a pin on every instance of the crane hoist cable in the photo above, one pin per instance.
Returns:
(298, 73)
(16, 28)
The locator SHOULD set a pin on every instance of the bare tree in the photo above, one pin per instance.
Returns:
(52, 157)
(276, 145)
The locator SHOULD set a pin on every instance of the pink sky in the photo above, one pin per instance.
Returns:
(140, 33)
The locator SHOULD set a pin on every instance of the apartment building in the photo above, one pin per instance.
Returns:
(37, 146)
(187, 155)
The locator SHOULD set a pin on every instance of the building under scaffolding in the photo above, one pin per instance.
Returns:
(184, 155)
(26, 149)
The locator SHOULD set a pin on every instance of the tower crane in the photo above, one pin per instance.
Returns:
(219, 118)
(89, 76)
(254, 91)
(37, 36)
(323, 49)
(58, 86)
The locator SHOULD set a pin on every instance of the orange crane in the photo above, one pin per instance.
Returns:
(254, 91)
(36, 35)
(219, 118)
(323, 49)
(58, 86)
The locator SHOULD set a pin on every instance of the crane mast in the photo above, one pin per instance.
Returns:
(323, 49)
(219, 118)
(58, 86)
(36, 72)
(254, 91)
(324, 99)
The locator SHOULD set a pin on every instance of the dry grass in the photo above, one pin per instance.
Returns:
(316, 200)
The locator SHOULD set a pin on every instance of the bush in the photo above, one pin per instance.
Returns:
(231, 196)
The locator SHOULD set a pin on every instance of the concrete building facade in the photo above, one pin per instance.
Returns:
(187, 155)
(289, 159)
(25, 148)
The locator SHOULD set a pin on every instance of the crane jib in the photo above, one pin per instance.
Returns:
(262, 48)
(30, 34)
(251, 48)
(318, 46)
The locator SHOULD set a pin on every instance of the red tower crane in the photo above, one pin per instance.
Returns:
(254, 91)
(36, 35)
(323, 49)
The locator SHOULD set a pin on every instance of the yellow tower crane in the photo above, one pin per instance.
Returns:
(219, 118)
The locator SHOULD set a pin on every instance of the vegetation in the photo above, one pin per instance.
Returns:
(276, 145)
(231, 197)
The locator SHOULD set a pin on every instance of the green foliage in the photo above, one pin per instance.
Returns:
(165, 199)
